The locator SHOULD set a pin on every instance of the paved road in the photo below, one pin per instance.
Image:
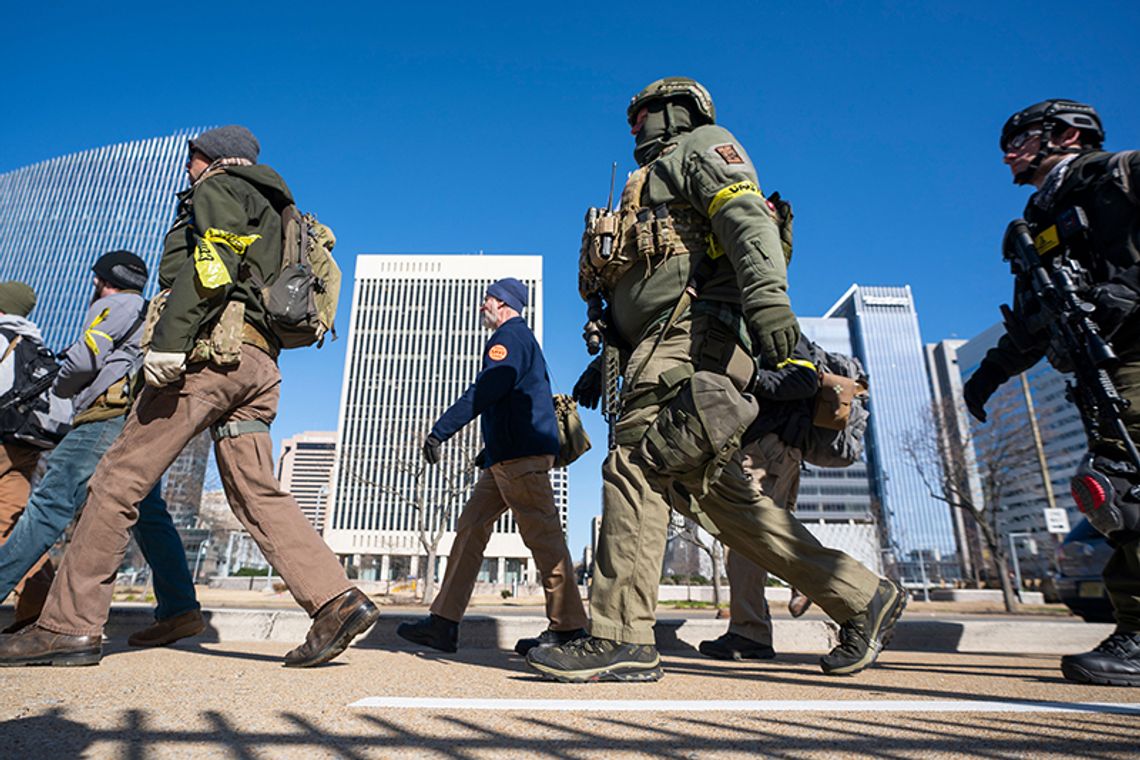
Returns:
(235, 700)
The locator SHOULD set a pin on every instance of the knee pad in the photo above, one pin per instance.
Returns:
(1107, 494)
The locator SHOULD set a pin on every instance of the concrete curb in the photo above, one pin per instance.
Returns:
(1000, 636)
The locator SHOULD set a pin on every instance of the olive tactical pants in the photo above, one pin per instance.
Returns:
(523, 486)
(635, 516)
(1122, 573)
(775, 467)
(159, 426)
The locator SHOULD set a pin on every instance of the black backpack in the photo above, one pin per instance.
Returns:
(29, 414)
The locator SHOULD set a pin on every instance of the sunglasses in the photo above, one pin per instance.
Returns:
(1019, 141)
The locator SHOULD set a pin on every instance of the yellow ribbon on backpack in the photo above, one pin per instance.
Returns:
(90, 334)
(212, 271)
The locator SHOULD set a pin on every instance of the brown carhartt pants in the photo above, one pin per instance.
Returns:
(775, 467)
(17, 464)
(161, 423)
(523, 486)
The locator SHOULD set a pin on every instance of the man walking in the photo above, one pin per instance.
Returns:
(511, 396)
(98, 375)
(211, 363)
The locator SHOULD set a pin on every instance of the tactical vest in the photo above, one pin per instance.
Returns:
(637, 232)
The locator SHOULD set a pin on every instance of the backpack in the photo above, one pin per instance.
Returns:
(301, 300)
(840, 415)
(29, 413)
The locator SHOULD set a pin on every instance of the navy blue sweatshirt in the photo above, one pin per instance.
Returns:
(511, 395)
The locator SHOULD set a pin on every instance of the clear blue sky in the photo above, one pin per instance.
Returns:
(467, 127)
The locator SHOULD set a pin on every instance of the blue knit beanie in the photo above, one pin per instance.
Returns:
(510, 291)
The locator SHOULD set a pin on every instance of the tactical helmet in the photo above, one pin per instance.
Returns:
(122, 269)
(1050, 113)
(674, 88)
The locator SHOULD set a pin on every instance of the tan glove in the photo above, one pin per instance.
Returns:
(163, 367)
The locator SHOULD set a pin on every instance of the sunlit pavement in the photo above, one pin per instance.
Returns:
(235, 700)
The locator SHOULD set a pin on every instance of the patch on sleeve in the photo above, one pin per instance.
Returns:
(497, 352)
(729, 153)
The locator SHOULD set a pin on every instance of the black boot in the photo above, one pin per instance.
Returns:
(1115, 662)
(862, 637)
(548, 638)
(433, 631)
(733, 646)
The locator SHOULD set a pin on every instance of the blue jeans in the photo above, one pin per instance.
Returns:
(63, 490)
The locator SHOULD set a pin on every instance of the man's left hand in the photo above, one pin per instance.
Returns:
(163, 367)
(431, 448)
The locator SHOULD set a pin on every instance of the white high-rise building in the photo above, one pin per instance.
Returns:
(304, 468)
(415, 342)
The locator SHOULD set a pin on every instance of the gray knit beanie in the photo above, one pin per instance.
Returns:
(233, 141)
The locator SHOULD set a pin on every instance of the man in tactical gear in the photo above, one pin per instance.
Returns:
(694, 206)
(210, 363)
(98, 374)
(511, 397)
(1084, 218)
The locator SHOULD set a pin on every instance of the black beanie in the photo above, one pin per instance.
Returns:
(122, 269)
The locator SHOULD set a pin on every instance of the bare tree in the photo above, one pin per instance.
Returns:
(689, 531)
(972, 468)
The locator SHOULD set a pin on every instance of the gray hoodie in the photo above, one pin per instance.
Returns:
(107, 351)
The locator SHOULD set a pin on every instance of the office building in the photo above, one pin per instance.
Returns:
(415, 342)
(304, 468)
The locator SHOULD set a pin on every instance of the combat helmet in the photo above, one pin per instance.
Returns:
(683, 89)
(1053, 116)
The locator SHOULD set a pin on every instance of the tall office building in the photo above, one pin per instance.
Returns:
(917, 529)
(58, 216)
(1032, 406)
(415, 342)
(304, 468)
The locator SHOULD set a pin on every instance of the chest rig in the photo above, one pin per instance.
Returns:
(613, 242)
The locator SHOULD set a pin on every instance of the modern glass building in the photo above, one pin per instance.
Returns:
(415, 342)
(917, 529)
(58, 216)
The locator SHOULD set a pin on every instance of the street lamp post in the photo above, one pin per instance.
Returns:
(1016, 564)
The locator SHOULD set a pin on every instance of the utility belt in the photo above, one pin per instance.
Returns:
(220, 343)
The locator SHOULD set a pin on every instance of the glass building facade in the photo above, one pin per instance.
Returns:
(58, 216)
(918, 533)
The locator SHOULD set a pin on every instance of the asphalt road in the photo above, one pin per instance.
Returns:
(235, 700)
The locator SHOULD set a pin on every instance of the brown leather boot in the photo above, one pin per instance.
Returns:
(39, 646)
(169, 630)
(798, 603)
(337, 623)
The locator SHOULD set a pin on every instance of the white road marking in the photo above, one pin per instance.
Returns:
(744, 705)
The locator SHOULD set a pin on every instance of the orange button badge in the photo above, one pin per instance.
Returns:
(497, 352)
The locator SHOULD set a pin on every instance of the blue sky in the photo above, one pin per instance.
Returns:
(457, 128)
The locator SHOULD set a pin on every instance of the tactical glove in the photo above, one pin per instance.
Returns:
(163, 367)
(431, 449)
(776, 332)
(1114, 304)
(783, 211)
(588, 389)
(986, 379)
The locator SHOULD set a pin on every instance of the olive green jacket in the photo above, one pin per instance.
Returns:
(709, 171)
(232, 218)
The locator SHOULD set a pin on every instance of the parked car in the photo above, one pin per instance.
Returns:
(1081, 558)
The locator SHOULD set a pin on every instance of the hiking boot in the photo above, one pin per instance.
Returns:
(548, 638)
(433, 631)
(39, 646)
(169, 630)
(798, 603)
(335, 625)
(594, 659)
(732, 646)
(1114, 662)
(862, 637)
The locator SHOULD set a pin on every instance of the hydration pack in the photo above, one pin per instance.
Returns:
(29, 413)
(840, 415)
(301, 300)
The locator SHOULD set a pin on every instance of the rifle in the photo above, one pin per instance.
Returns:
(594, 330)
(15, 399)
(1071, 326)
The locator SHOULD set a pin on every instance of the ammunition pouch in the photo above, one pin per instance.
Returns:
(111, 403)
(695, 437)
(222, 344)
(572, 439)
(1108, 494)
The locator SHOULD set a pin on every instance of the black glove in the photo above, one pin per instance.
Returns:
(1114, 304)
(431, 449)
(588, 389)
(986, 379)
(783, 211)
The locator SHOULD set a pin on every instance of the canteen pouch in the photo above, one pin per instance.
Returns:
(833, 401)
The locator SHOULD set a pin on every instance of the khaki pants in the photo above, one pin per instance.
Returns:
(17, 464)
(523, 486)
(635, 518)
(775, 467)
(1122, 573)
(161, 423)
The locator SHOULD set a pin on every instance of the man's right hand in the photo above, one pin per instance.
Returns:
(777, 332)
(163, 367)
(588, 389)
(986, 379)
(431, 449)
